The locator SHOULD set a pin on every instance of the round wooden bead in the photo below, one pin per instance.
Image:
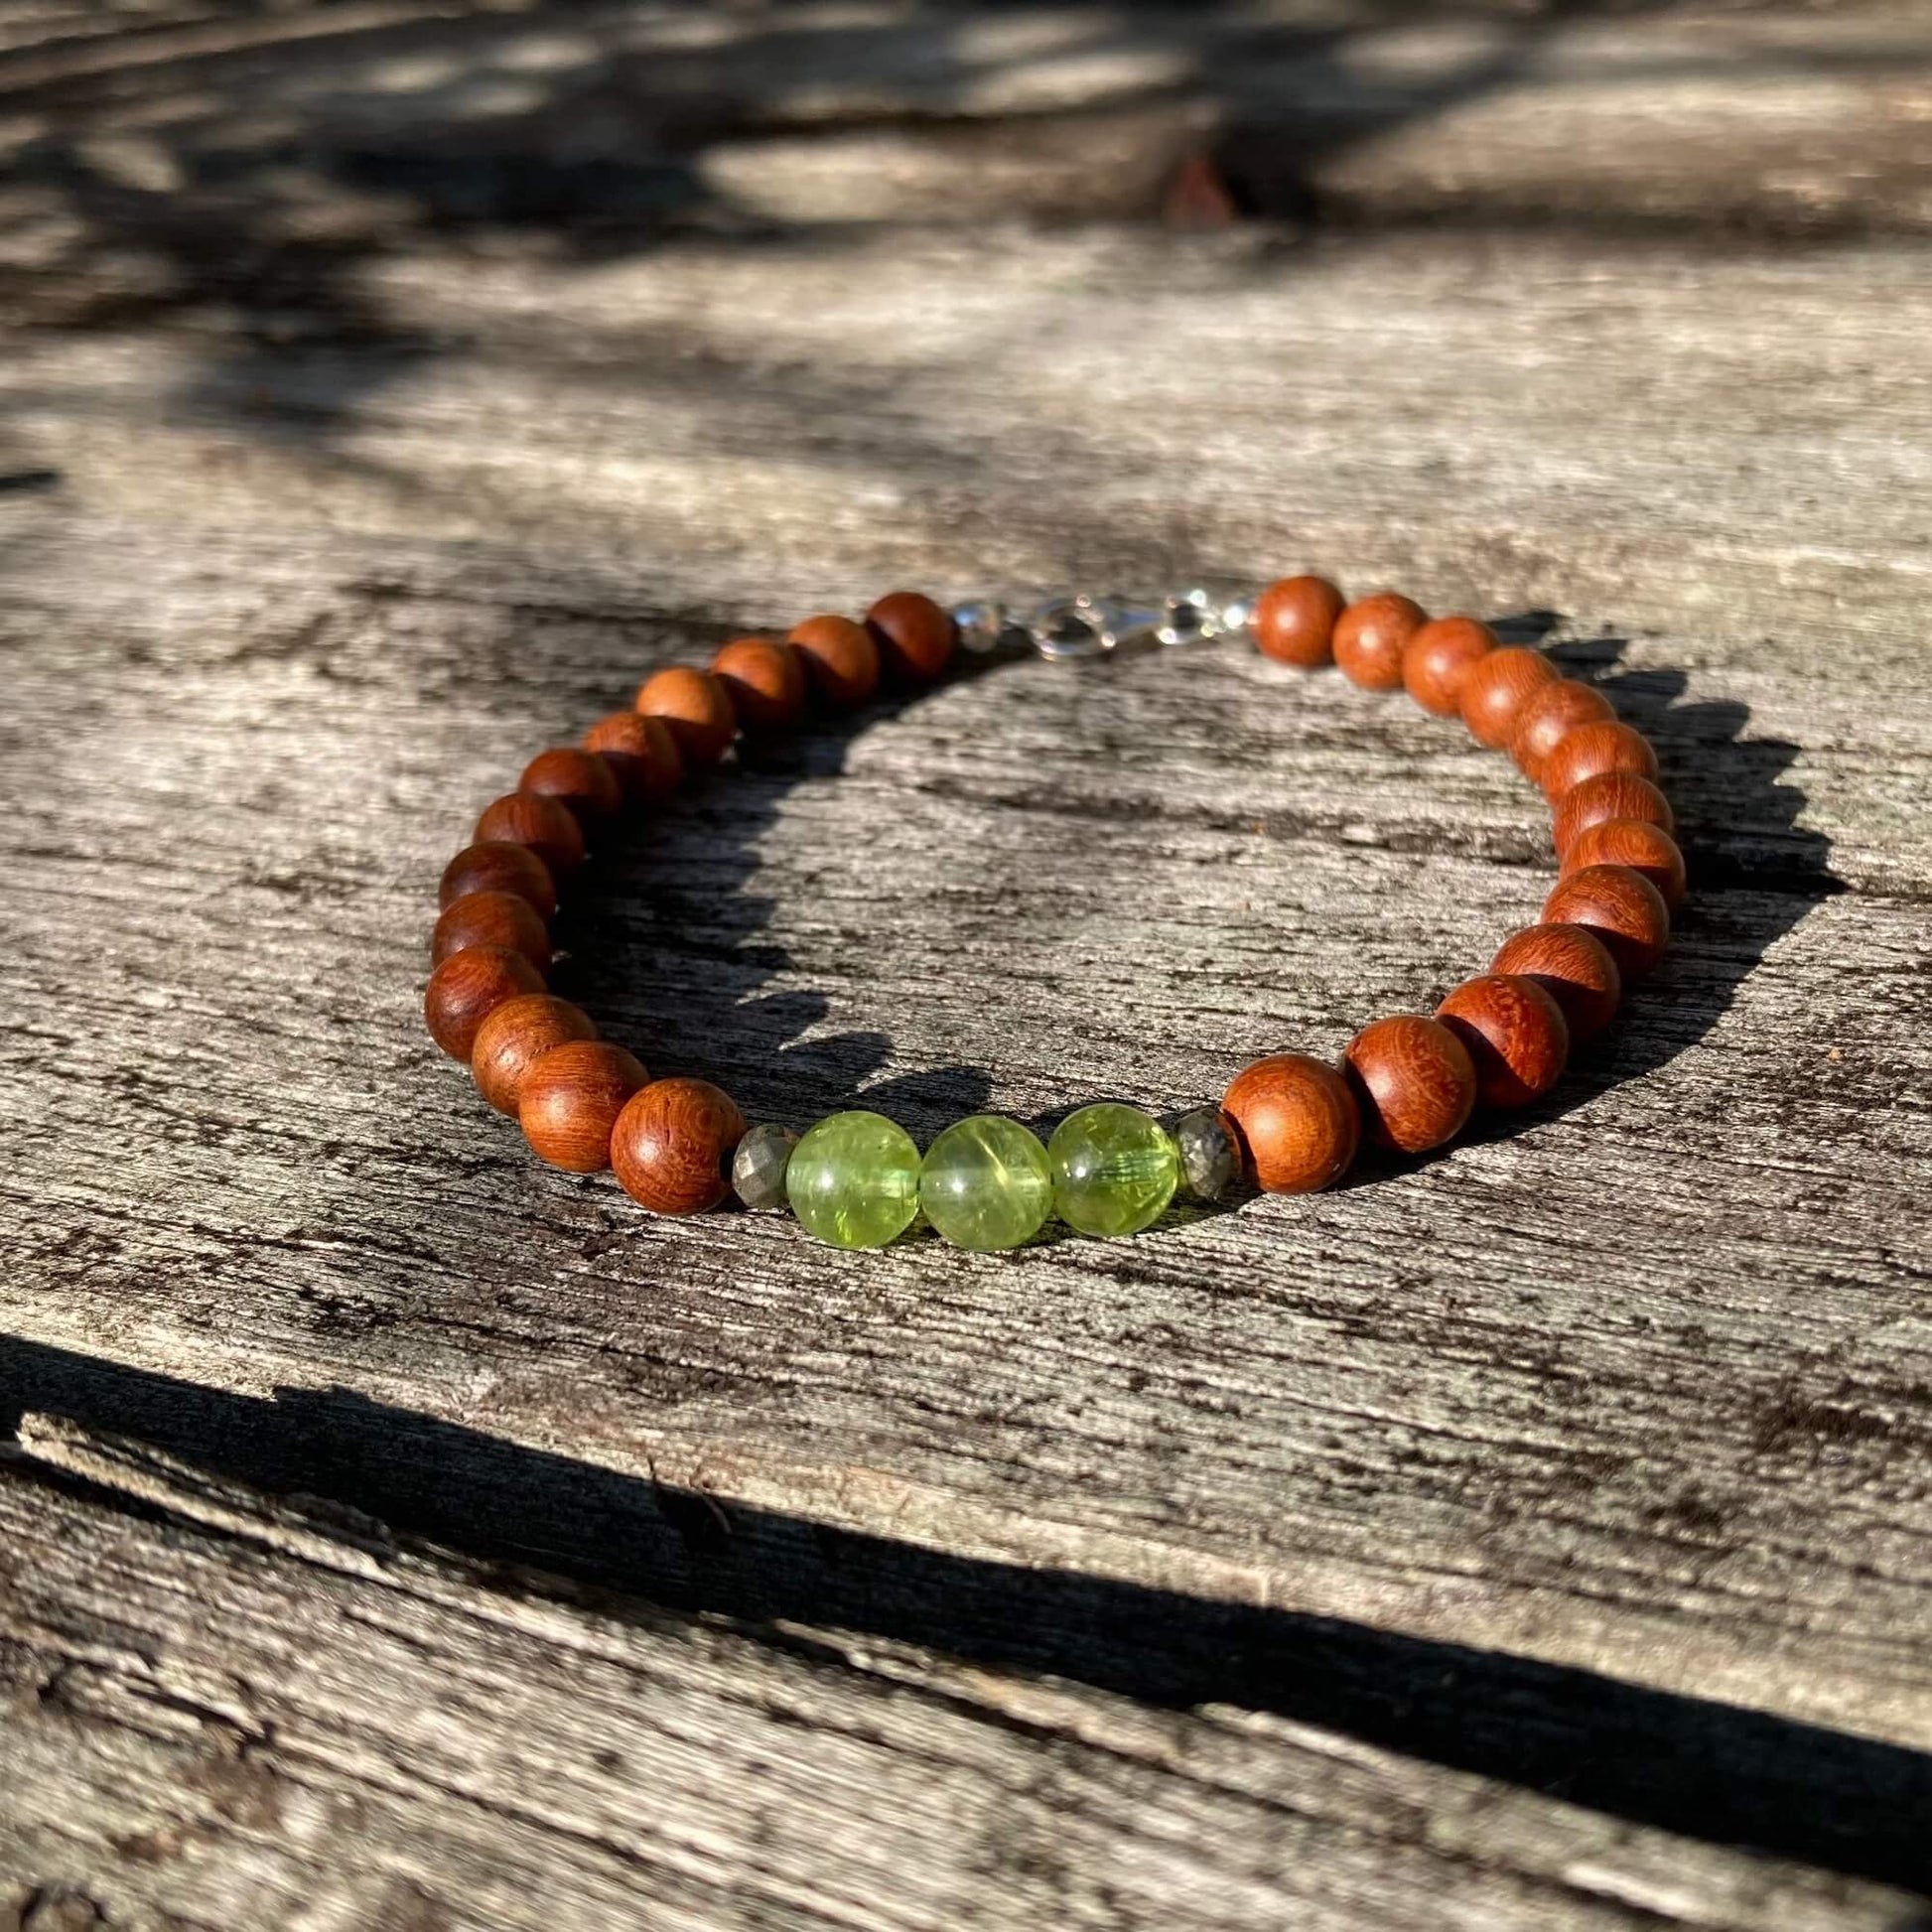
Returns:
(1550, 714)
(1621, 908)
(672, 1146)
(1295, 620)
(640, 751)
(1297, 1123)
(1515, 1032)
(696, 710)
(1438, 658)
(571, 1098)
(764, 681)
(1645, 848)
(916, 637)
(1495, 689)
(1412, 1080)
(546, 825)
(498, 865)
(1591, 751)
(841, 659)
(1610, 795)
(515, 1034)
(1572, 966)
(490, 919)
(580, 779)
(468, 988)
(1371, 635)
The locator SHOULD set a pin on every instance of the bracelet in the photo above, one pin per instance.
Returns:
(1287, 1124)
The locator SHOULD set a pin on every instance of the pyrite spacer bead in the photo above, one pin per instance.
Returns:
(1210, 1162)
(758, 1166)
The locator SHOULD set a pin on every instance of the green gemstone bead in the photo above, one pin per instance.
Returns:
(985, 1183)
(1114, 1169)
(854, 1179)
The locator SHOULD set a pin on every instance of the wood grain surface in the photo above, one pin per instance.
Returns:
(386, 391)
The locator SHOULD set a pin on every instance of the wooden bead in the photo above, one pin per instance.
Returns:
(514, 1036)
(499, 867)
(571, 1098)
(1515, 1032)
(641, 752)
(1550, 714)
(546, 825)
(841, 659)
(1495, 689)
(916, 637)
(1297, 1123)
(468, 988)
(1295, 620)
(1610, 795)
(1438, 658)
(580, 779)
(1621, 908)
(1572, 966)
(766, 682)
(696, 710)
(672, 1146)
(1371, 635)
(1412, 1080)
(490, 919)
(1645, 848)
(1591, 751)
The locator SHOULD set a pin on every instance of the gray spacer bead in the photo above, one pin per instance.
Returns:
(758, 1166)
(1210, 1163)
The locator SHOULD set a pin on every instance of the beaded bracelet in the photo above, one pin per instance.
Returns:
(1287, 1124)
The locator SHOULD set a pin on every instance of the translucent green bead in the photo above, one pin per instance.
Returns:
(985, 1183)
(1114, 1169)
(854, 1179)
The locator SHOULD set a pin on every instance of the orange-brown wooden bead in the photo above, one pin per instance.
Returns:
(766, 682)
(696, 710)
(1572, 966)
(514, 1036)
(1295, 620)
(571, 1098)
(1621, 908)
(1609, 796)
(1515, 1032)
(1645, 848)
(498, 865)
(468, 988)
(1371, 635)
(1592, 751)
(841, 659)
(916, 637)
(1495, 689)
(1440, 656)
(640, 751)
(546, 825)
(1412, 1080)
(1550, 714)
(673, 1143)
(1296, 1121)
(580, 779)
(490, 919)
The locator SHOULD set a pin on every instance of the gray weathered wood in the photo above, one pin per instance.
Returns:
(247, 1713)
(333, 505)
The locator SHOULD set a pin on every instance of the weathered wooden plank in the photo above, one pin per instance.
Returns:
(239, 1714)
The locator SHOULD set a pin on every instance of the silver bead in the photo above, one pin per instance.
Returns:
(758, 1166)
(984, 624)
(1210, 1163)
(1189, 618)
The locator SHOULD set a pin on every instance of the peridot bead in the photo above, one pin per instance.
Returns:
(854, 1179)
(1114, 1169)
(984, 1183)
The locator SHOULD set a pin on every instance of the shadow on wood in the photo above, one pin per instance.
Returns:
(1684, 1765)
